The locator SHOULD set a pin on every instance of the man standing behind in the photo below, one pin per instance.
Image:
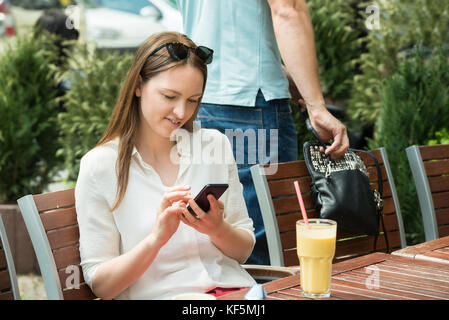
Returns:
(247, 91)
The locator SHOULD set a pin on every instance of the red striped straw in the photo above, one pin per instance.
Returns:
(301, 203)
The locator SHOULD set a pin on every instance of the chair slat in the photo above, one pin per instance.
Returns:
(284, 205)
(436, 168)
(287, 222)
(368, 161)
(5, 280)
(64, 237)
(66, 257)
(290, 169)
(434, 152)
(54, 200)
(3, 264)
(440, 200)
(439, 183)
(59, 218)
(389, 207)
(372, 172)
(364, 245)
(442, 216)
(391, 222)
(286, 187)
(443, 230)
(8, 295)
(386, 192)
(83, 293)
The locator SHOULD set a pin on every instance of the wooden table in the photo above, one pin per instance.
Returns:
(374, 276)
(435, 250)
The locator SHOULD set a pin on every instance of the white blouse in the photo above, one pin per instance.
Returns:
(189, 261)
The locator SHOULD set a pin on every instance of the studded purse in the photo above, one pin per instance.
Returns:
(341, 191)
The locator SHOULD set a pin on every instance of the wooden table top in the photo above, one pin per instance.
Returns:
(435, 250)
(374, 276)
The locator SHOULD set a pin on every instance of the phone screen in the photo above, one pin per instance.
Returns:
(201, 199)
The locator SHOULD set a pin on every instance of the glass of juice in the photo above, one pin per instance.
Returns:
(316, 249)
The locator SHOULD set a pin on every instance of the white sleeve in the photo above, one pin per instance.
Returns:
(235, 212)
(99, 237)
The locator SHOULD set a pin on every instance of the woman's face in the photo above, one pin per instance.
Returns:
(169, 99)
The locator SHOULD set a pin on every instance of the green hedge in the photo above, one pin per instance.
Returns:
(95, 83)
(415, 106)
(28, 110)
(337, 40)
(403, 24)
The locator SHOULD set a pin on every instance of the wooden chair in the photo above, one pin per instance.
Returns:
(430, 169)
(9, 289)
(51, 221)
(280, 211)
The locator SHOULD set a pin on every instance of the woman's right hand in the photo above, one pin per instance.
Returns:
(169, 215)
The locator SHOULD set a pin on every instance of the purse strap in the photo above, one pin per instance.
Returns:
(378, 193)
(378, 196)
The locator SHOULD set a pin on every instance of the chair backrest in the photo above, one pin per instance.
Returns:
(280, 211)
(51, 221)
(9, 289)
(430, 168)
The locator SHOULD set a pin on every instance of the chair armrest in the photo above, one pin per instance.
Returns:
(263, 273)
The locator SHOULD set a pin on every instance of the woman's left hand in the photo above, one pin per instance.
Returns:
(207, 222)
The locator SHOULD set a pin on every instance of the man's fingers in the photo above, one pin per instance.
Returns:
(339, 146)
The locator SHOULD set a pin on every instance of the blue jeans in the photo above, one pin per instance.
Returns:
(276, 118)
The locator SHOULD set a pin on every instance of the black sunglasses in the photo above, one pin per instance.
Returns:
(180, 51)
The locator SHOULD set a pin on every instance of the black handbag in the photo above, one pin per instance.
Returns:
(341, 191)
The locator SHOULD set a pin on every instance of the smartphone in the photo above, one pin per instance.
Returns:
(201, 199)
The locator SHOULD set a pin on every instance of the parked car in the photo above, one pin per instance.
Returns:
(26, 12)
(111, 24)
(119, 24)
(7, 27)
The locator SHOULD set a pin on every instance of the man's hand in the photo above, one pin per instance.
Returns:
(328, 127)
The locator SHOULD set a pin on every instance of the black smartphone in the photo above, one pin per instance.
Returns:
(215, 189)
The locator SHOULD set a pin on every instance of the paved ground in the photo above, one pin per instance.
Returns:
(31, 287)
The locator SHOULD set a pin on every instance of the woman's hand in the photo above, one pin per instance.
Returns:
(169, 213)
(233, 242)
(208, 223)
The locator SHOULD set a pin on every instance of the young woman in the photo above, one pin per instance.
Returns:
(137, 240)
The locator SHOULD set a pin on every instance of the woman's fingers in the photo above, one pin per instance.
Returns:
(175, 194)
(196, 208)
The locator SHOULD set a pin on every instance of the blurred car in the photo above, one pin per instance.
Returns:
(122, 24)
(26, 12)
(111, 24)
(7, 27)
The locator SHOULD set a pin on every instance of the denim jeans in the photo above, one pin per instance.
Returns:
(271, 121)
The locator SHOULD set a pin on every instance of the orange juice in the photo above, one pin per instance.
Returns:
(316, 249)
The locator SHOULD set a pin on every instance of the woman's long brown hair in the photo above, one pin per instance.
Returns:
(125, 118)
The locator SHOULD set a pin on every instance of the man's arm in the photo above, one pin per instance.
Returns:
(294, 35)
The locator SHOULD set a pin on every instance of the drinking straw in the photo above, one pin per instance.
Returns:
(301, 203)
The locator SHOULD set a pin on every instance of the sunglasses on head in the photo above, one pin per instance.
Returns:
(179, 51)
